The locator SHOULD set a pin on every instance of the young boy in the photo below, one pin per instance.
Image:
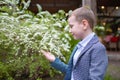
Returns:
(88, 60)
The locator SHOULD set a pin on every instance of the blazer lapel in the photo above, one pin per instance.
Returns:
(70, 65)
(71, 58)
(92, 41)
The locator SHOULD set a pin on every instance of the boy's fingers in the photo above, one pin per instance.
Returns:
(45, 52)
(48, 55)
(42, 51)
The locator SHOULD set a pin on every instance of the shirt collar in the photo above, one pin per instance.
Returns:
(84, 42)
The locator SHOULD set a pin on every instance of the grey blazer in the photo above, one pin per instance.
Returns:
(91, 65)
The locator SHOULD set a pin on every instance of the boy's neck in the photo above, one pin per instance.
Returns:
(87, 33)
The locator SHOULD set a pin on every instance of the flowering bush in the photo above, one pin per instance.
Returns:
(100, 30)
(22, 36)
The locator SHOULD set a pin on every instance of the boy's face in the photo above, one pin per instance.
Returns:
(76, 28)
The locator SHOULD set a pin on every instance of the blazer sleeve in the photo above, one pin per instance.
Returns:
(99, 62)
(59, 65)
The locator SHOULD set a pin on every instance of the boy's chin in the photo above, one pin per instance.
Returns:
(76, 38)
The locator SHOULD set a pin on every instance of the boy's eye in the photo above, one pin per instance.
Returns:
(71, 26)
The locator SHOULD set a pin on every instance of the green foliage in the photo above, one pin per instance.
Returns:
(108, 77)
(100, 30)
(23, 35)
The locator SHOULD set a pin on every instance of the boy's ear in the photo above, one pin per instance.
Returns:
(85, 24)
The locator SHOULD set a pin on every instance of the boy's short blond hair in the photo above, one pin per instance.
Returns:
(85, 13)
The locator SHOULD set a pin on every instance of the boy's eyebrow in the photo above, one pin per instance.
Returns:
(70, 25)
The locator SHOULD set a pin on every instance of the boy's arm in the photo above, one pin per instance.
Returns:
(55, 62)
(59, 65)
(99, 62)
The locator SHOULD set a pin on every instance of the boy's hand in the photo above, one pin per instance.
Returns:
(48, 56)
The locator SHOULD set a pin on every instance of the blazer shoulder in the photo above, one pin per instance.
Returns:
(99, 45)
